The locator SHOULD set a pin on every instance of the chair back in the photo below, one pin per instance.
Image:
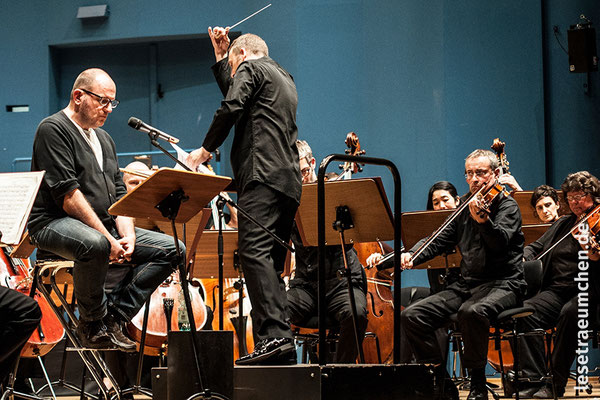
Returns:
(532, 271)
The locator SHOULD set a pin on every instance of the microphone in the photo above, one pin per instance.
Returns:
(138, 124)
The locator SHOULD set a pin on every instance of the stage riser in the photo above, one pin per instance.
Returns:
(333, 382)
(216, 357)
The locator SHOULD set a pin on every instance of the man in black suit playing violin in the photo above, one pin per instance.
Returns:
(488, 234)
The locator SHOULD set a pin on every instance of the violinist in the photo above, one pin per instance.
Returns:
(261, 101)
(556, 305)
(302, 295)
(488, 234)
(545, 203)
(70, 216)
(20, 315)
(442, 196)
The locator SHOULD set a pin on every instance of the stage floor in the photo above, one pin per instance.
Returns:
(570, 393)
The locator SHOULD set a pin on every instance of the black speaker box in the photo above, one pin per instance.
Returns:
(334, 381)
(582, 50)
(216, 358)
(159, 383)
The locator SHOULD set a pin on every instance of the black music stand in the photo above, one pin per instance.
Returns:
(163, 197)
(358, 206)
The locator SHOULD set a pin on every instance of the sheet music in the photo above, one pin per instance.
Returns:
(182, 156)
(17, 194)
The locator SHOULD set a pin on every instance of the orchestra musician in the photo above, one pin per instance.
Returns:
(545, 203)
(491, 244)
(556, 305)
(131, 180)
(261, 101)
(441, 196)
(70, 216)
(302, 296)
(20, 316)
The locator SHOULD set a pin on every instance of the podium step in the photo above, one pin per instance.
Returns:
(334, 381)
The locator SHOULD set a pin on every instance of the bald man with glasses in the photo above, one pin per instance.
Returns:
(70, 216)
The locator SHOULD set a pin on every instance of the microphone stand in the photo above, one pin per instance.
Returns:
(153, 136)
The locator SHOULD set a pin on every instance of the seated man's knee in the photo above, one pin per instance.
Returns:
(95, 247)
(569, 312)
(471, 313)
(409, 317)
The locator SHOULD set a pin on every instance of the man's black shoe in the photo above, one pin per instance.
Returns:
(478, 392)
(93, 335)
(527, 393)
(274, 351)
(450, 391)
(114, 328)
(546, 392)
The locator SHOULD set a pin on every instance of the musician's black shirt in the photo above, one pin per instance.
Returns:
(70, 163)
(261, 101)
(307, 262)
(492, 251)
(561, 263)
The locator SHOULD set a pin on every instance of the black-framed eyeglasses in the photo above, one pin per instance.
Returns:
(305, 171)
(481, 173)
(104, 101)
(576, 198)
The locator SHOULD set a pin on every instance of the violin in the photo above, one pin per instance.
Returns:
(590, 225)
(484, 202)
(14, 274)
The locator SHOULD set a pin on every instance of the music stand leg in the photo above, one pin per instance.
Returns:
(137, 386)
(188, 305)
(348, 274)
(220, 204)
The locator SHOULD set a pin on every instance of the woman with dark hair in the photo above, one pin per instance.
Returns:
(442, 196)
(545, 203)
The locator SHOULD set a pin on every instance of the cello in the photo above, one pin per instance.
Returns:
(380, 306)
(14, 274)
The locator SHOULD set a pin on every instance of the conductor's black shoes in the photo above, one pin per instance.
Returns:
(274, 351)
(93, 335)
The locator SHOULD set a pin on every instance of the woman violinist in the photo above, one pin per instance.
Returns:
(564, 250)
